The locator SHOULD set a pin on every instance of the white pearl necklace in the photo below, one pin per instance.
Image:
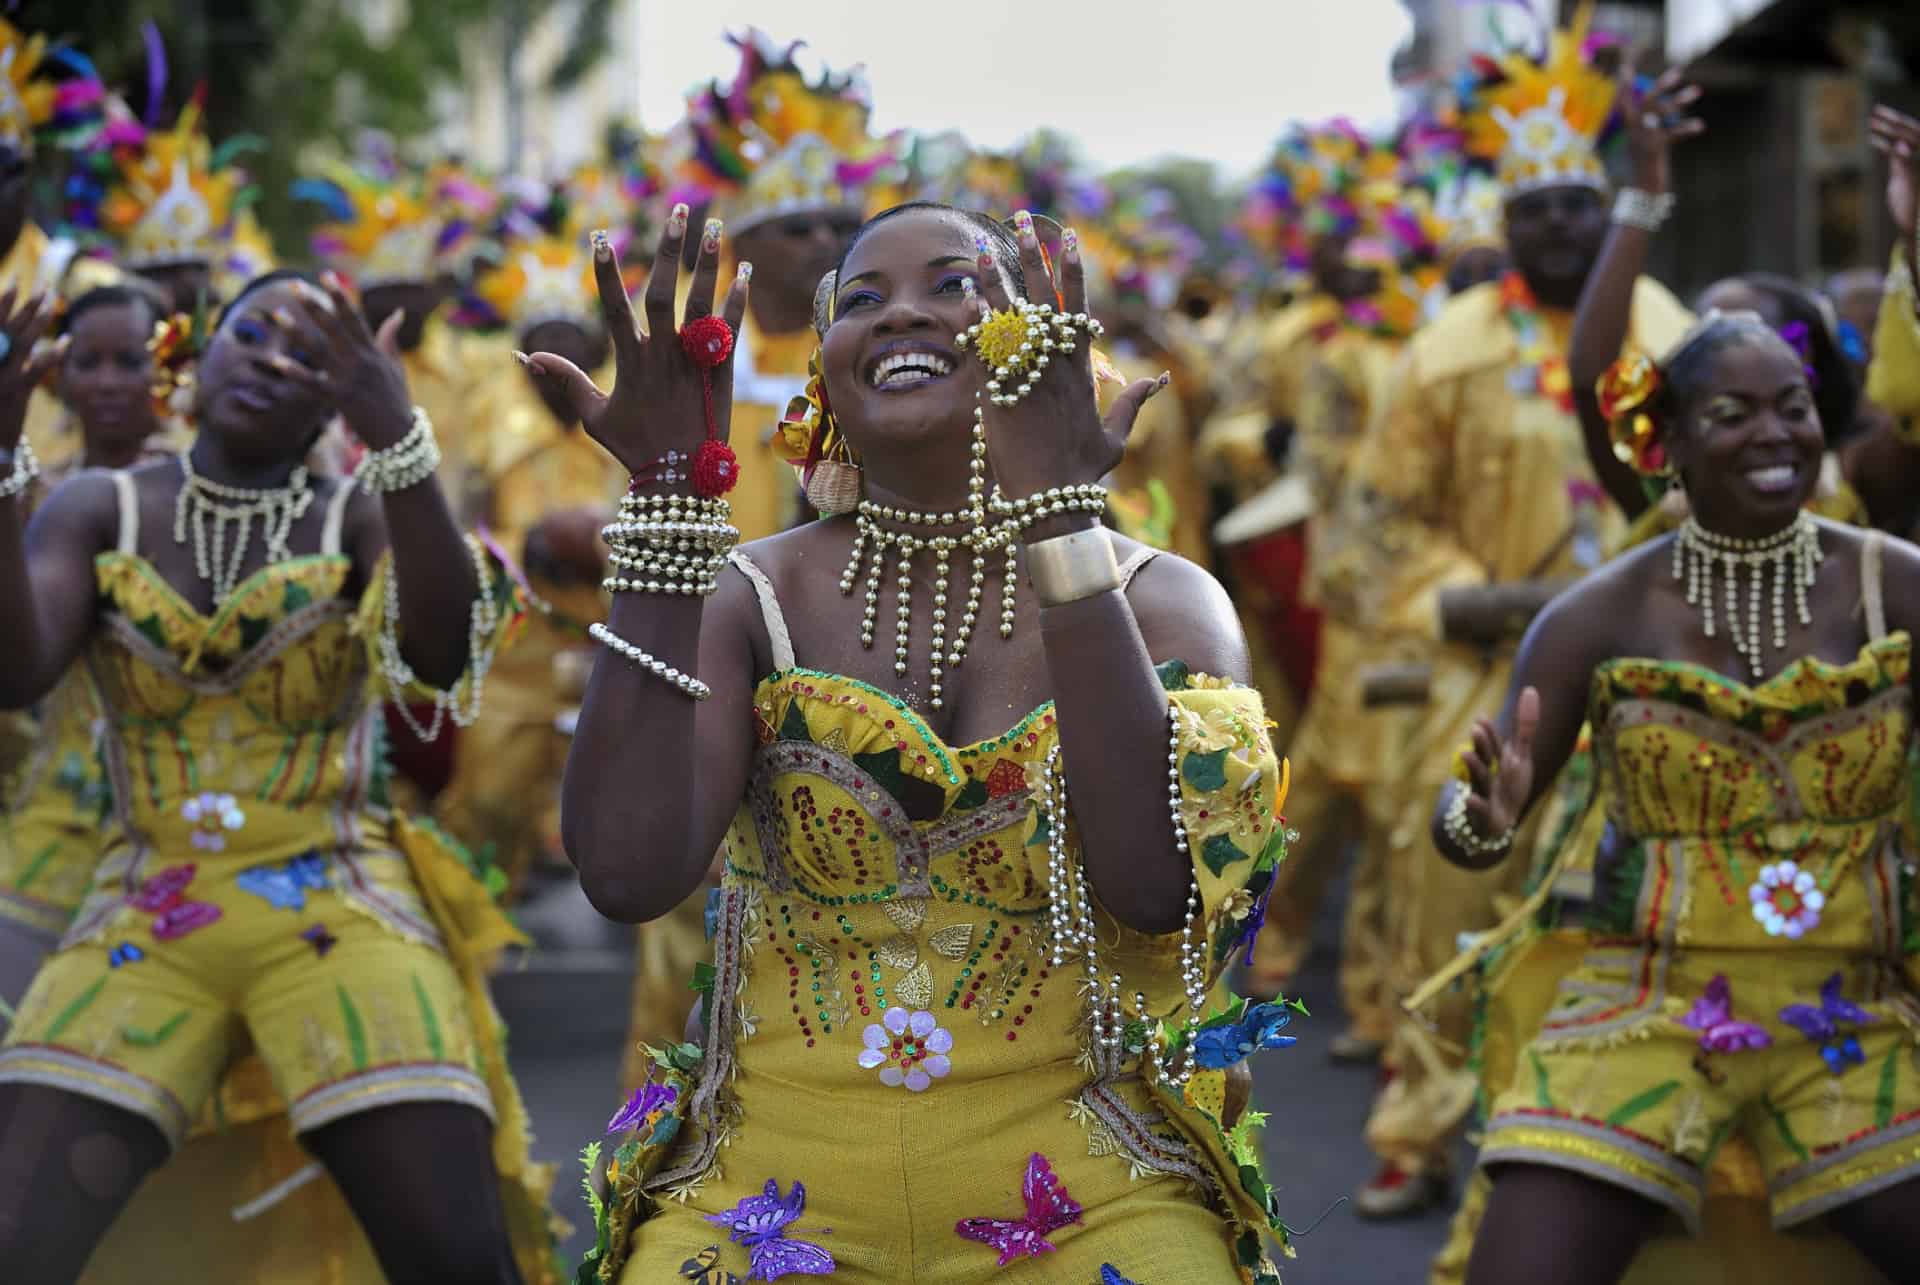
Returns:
(1793, 553)
(1073, 934)
(277, 507)
(483, 619)
(873, 542)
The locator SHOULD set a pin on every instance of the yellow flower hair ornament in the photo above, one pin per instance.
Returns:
(1625, 392)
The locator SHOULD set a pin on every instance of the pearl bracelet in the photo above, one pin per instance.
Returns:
(26, 467)
(1083, 498)
(687, 683)
(408, 462)
(1459, 828)
(1634, 208)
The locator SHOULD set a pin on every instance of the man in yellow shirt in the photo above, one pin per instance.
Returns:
(1478, 485)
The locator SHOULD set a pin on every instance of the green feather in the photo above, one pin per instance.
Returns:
(1641, 1103)
(430, 1020)
(77, 1006)
(356, 1030)
(148, 1039)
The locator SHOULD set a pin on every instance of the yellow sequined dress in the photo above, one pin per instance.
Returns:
(256, 893)
(886, 1027)
(1726, 914)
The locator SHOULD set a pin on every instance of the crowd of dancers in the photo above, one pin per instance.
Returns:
(966, 617)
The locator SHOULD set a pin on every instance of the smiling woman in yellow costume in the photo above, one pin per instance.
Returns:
(965, 932)
(256, 885)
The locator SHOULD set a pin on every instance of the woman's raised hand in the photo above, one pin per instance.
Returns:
(1055, 435)
(1500, 773)
(657, 402)
(357, 370)
(1656, 118)
(1898, 136)
(25, 360)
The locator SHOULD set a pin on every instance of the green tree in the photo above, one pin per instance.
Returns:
(299, 73)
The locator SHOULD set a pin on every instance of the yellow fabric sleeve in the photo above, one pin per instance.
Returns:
(1893, 380)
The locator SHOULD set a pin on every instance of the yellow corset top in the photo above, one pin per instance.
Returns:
(1756, 815)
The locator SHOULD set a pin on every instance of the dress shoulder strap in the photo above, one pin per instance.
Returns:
(1871, 596)
(128, 539)
(770, 614)
(1132, 566)
(336, 516)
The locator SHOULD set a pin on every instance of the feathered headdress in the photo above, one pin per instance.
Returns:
(773, 143)
(173, 197)
(384, 224)
(1540, 120)
(28, 101)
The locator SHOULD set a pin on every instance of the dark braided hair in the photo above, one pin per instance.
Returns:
(1835, 381)
(1686, 370)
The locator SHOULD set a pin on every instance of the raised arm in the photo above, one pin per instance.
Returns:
(653, 775)
(1600, 326)
(1515, 758)
(46, 568)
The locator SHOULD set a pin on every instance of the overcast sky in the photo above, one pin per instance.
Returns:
(1131, 79)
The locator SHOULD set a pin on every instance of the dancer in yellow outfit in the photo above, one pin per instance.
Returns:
(1345, 750)
(1751, 972)
(256, 883)
(58, 799)
(1486, 503)
(548, 489)
(910, 969)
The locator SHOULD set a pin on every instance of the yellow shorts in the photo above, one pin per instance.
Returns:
(347, 1014)
(1647, 1064)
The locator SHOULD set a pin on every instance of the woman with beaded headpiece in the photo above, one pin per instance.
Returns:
(940, 918)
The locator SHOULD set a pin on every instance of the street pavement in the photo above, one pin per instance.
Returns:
(567, 1007)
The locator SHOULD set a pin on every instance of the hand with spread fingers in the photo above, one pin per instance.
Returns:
(24, 360)
(1656, 118)
(1052, 434)
(355, 369)
(1500, 771)
(662, 398)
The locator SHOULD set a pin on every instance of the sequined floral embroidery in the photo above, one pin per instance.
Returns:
(910, 1049)
(210, 815)
(644, 1110)
(1786, 900)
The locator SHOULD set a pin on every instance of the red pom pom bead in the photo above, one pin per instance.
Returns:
(708, 341)
(715, 468)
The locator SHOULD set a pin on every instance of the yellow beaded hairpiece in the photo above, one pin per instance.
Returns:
(827, 466)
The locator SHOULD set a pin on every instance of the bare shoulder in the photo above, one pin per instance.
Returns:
(84, 509)
(1184, 613)
(1599, 614)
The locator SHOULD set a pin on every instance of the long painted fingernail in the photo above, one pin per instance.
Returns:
(969, 287)
(1070, 243)
(1023, 223)
(281, 318)
(710, 237)
(745, 272)
(983, 247)
(1166, 377)
(602, 245)
(522, 358)
(677, 221)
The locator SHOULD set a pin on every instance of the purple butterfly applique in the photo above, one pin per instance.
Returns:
(1840, 1049)
(1712, 1016)
(1049, 1208)
(760, 1223)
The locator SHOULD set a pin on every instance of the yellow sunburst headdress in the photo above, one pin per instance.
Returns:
(1540, 121)
(175, 198)
(385, 225)
(775, 143)
(537, 279)
(27, 100)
